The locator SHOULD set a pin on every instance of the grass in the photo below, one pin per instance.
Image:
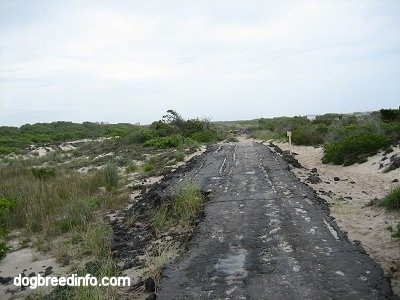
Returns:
(340, 207)
(156, 257)
(106, 268)
(179, 155)
(148, 166)
(131, 167)
(395, 232)
(61, 210)
(181, 211)
(3, 250)
(392, 200)
(162, 219)
(111, 175)
(43, 173)
(59, 201)
(96, 240)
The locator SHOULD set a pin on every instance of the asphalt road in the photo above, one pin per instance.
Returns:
(266, 235)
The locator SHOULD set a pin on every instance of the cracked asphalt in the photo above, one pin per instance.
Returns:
(265, 235)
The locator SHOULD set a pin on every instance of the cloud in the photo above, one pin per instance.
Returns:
(269, 57)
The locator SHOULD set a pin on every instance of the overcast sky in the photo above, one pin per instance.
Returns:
(131, 60)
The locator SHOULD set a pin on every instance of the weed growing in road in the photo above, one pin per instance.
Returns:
(181, 211)
(162, 219)
(186, 204)
(392, 200)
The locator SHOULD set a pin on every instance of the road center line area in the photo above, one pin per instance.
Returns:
(265, 235)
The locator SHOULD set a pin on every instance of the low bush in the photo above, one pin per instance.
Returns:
(307, 135)
(334, 153)
(354, 148)
(392, 200)
(172, 141)
(43, 173)
(205, 136)
(390, 115)
(9, 150)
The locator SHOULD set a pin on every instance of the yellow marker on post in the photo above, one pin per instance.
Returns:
(289, 134)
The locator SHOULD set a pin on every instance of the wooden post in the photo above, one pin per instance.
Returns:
(289, 134)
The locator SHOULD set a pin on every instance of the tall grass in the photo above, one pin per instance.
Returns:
(50, 207)
(54, 205)
(111, 175)
(96, 240)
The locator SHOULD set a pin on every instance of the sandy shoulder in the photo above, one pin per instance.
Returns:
(358, 185)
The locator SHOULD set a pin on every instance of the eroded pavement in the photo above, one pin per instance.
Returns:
(266, 235)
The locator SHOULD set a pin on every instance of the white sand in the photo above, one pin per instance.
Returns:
(26, 261)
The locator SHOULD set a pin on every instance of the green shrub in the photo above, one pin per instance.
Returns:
(205, 136)
(191, 144)
(6, 203)
(43, 173)
(354, 148)
(390, 115)
(172, 141)
(306, 135)
(9, 150)
(392, 200)
(333, 153)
